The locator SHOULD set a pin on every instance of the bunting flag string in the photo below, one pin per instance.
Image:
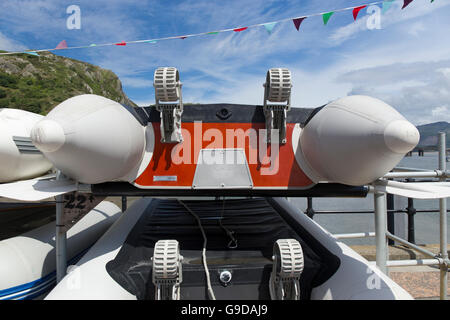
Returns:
(327, 16)
(298, 22)
(61, 45)
(269, 26)
(386, 6)
(240, 29)
(406, 3)
(356, 11)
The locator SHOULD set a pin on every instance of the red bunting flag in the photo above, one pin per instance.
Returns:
(62, 45)
(123, 43)
(406, 3)
(182, 37)
(240, 29)
(356, 11)
(298, 22)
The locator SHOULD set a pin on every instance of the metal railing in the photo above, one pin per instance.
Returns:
(383, 235)
(410, 212)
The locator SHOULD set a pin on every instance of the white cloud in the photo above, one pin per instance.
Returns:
(404, 63)
(136, 82)
(416, 29)
(440, 112)
(394, 16)
(8, 44)
(424, 100)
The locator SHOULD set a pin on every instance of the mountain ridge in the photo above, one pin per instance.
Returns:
(429, 134)
(39, 83)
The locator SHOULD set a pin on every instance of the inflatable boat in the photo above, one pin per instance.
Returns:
(19, 158)
(239, 237)
(176, 149)
(27, 262)
(252, 247)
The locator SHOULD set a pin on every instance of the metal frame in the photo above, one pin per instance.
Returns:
(168, 89)
(382, 234)
(277, 88)
(61, 236)
(443, 220)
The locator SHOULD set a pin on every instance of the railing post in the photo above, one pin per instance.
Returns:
(124, 203)
(60, 237)
(380, 230)
(309, 210)
(443, 220)
(390, 216)
(411, 211)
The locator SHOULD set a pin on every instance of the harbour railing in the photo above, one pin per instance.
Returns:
(383, 213)
(410, 211)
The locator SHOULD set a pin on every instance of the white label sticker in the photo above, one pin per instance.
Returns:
(164, 178)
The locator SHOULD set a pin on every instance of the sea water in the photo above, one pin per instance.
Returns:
(426, 224)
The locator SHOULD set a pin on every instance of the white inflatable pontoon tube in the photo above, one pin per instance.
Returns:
(28, 261)
(18, 157)
(92, 280)
(92, 139)
(354, 140)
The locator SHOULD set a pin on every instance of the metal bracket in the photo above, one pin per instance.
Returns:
(287, 268)
(167, 270)
(277, 89)
(168, 89)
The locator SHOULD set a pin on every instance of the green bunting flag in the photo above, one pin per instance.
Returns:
(327, 16)
(214, 32)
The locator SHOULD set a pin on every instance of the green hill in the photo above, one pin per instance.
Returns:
(429, 135)
(39, 83)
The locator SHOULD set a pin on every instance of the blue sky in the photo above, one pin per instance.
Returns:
(405, 63)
